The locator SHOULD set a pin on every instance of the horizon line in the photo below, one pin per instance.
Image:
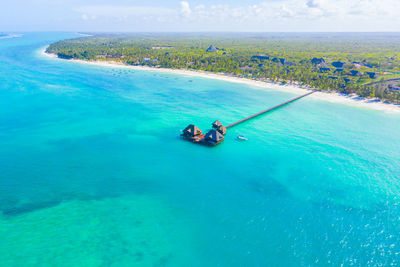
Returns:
(118, 31)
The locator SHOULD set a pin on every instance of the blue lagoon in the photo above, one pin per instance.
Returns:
(92, 172)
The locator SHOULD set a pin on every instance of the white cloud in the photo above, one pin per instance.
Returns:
(185, 9)
(312, 3)
(294, 14)
(298, 9)
(87, 17)
(124, 11)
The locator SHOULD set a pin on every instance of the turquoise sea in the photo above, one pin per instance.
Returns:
(92, 172)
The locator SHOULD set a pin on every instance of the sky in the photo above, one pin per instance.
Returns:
(200, 15)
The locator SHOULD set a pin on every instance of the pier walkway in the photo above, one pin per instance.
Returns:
(268, 110)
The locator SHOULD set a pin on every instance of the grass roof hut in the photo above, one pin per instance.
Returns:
(317, 61)
(191, 131)
(338, 64)
(324, 70)
(355, 73)
(213, 137)
(217, 125)
(372, 75)
(212, 49)
(222, 130)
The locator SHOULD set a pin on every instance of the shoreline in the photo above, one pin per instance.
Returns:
(332, 97)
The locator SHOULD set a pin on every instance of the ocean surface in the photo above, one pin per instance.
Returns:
(92, 172)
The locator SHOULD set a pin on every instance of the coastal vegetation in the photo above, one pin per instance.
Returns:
(367, 65)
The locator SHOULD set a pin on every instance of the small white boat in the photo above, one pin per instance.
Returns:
(242, 138)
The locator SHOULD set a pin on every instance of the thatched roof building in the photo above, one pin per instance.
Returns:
(323, 70)
(191, 131)
(338, 71)
(279, 60)
(212, 48)
(317, 61)
(338, 64)
(222, 130)
(217, 125)
(372, 75)
(355, 73)
(213, 136)
(261, 58)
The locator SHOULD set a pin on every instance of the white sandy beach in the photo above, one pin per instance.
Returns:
(375, 104)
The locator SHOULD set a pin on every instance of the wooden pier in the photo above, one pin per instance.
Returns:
(269, 110)
(217, 134)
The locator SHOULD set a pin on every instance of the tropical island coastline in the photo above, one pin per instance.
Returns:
(333, 97)
(360, 64)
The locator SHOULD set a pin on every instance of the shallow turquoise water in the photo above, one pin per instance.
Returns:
(92, 172)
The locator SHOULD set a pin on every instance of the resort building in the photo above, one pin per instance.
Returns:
(217, 125)
(212, 49)
(324, 70)
(317, 61)
(191, 131)
(355, 73)
(338, 64)
(372, 75)
(213, 137)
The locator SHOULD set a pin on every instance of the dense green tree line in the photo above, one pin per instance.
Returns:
(277, 57)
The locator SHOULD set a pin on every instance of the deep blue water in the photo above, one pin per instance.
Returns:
(92, 172)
